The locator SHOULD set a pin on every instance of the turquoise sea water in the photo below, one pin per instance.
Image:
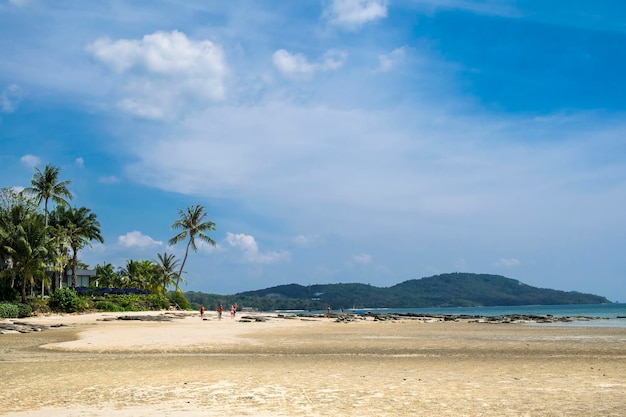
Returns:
(611, 315)
(569, 310)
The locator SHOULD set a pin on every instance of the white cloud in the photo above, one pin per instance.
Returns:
(306, 240)
(30, 160)
(392, 59)
(163, 72)
(298, 65)
(508, 263)
(137, 239)
(485, 7)
(19, 3)
(248, 245)
(362, 258)
(111, 179)
(80, 162)
(9, 99)
(352, 14)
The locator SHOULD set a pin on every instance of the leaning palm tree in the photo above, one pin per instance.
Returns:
(46, 186)
(193, 225)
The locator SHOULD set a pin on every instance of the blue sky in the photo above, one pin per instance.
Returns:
(332, 141)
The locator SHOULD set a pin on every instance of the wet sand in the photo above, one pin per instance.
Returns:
(310, 367)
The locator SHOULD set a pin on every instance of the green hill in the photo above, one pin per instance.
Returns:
(446, 290)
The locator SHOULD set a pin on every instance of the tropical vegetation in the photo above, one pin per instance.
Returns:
(41, 239)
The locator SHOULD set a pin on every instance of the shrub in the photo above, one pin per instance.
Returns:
(38, 305)
(24, 310)
(8, 293)
(107, 306)
(157, 302)
(9, 311)
(178, 298)
(65, 299)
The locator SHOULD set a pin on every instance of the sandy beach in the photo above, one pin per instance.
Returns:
(97, 366)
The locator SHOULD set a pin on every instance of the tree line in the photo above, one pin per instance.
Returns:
(42, 236)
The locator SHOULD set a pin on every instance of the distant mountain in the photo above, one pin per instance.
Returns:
(446, 290)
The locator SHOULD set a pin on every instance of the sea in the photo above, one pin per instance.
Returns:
(606, 315)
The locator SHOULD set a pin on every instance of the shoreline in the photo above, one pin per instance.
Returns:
(310, 366)
(45, 322)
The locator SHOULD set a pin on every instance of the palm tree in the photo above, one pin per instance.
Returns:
(15, 215)
(28, 249)
(167, 264)
(61, 250)
(143, 275)
(81, 227)
(191, 223)
(46, 186)
(107, 277)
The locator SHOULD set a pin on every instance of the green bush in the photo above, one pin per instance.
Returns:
(65, 299)
(178, 298)
(9, 311)
(24, 310)
(8, 293)
(157, 302)
(107, 306)
(131, 302)
(38, 305)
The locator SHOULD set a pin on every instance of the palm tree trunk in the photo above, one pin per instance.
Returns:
(74, 267)
(182, 265)
(23, 291)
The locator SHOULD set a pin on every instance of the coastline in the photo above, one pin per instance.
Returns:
(309, 366)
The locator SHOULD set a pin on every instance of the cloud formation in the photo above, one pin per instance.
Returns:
(136, 239)
(9, 99)
(392, 59)
(248, 245)
(352, 14)
(162, 71)
(30, 161)
(298, 65)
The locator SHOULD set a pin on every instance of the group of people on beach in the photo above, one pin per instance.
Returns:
(220, 309)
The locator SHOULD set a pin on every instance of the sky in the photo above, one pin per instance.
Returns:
(331, 141)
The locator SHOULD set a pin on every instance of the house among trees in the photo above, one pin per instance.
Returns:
(84, 277)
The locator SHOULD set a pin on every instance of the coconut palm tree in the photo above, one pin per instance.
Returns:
(107, 277)
(192, 224)
(81, 227)
(46, 186)
(143, 274)
(167, 265)
(28, 248)
(14, 216)
(60, 243)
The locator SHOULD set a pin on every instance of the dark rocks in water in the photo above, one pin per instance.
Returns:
(249, 319)
(507, 318)
(160, 317)
(23, 327)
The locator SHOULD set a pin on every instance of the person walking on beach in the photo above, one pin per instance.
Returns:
(201, 311)
(219, 312)
(328, 310)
